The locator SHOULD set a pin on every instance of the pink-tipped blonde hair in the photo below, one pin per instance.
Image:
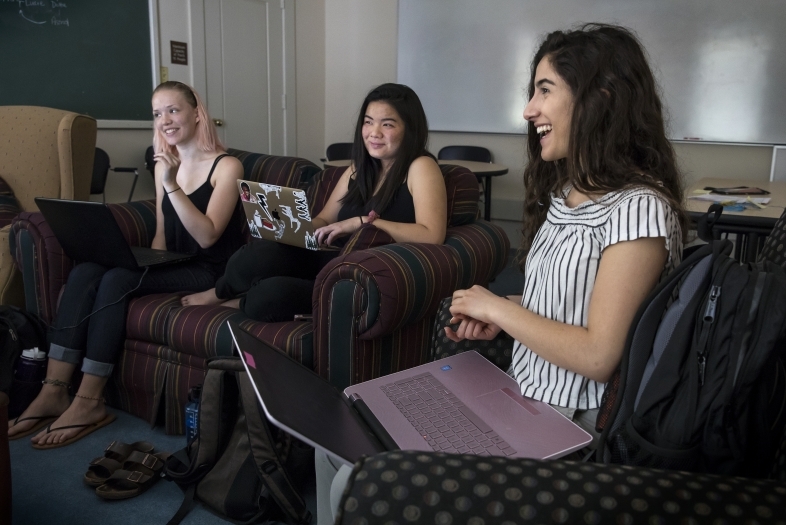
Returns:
(206, 136)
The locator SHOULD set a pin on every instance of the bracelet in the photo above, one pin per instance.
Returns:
(91, 398)
(55, 382)
(361, 220)
(173, 191)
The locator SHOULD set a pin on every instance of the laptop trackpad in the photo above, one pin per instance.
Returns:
(508, 407)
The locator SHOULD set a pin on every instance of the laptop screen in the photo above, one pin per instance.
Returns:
(299, 401)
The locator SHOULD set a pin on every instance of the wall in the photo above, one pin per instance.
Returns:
(343, 49)
(310, 78)
(126, 147)
(360, 53)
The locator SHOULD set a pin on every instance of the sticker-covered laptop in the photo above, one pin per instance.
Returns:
(277, 213)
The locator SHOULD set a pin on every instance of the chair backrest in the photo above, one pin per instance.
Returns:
(460, 183)
(46, 152)
(100, 171)
(476, 153)
(339, 151)
(150, 162)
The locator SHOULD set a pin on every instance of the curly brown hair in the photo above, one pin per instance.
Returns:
(617, 136)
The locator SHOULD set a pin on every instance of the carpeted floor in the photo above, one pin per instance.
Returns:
(48, 487)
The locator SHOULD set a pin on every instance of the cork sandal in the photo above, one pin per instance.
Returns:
(115, 454)
(140, 472)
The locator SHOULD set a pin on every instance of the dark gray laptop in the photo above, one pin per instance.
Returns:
(462, 404)
(88, 232)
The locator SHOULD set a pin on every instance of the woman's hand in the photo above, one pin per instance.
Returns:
(477, 303)
(471, 329)
(473, 310)
(170, 164)
(326, 234)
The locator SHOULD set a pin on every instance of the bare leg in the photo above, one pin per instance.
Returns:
(87, 407)
(51, 401)
(208, 297)
(232, 303)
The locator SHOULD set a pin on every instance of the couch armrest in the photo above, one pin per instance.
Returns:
(371, 293)
(42, 262)
(44, 265)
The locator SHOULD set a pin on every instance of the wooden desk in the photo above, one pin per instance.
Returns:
(751, 226)
(484, 170)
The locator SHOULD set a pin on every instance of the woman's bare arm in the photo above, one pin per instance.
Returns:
(628, 271)
(207, 228)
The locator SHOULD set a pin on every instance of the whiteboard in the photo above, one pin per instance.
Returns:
(721, 64)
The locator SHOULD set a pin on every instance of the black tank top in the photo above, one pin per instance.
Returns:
(400, 209)
(179, 240)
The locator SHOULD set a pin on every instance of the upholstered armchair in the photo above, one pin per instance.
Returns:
(373, 306)
(44, 152)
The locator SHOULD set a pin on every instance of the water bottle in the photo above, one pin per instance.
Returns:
(192, 412)
(30, 370)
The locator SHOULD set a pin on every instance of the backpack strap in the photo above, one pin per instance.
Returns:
(269, 465)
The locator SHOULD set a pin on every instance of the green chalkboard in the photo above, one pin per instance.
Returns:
(88, 56)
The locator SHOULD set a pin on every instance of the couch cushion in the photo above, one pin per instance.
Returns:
(201, 332)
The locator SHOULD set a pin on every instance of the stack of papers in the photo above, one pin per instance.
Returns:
(731, 199)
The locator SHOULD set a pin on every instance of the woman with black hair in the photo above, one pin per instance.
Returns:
(392, 181)
(603, 219)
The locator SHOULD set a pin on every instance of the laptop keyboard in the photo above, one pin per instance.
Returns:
(444, 421)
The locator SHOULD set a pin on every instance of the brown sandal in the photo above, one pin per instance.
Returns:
(140, 471)
(102, 468)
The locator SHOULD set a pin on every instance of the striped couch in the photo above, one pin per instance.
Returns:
(374, 305)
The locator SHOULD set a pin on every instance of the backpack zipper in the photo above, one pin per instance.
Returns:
(709, 318)
(13, 334)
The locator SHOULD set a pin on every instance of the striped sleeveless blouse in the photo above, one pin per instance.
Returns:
(560, 274)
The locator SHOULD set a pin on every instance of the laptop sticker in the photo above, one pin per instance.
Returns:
(287, 211)
(446, 368)
(271, 187)
(250, 360)
(311, 241)
(301, 204)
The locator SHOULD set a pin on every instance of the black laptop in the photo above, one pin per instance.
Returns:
(88, 232)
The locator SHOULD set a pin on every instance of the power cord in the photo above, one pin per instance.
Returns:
(106, 305)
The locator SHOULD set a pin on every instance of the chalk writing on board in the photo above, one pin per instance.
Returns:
(41, 12)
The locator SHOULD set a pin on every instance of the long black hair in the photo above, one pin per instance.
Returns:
(617, 135)
(413, 145)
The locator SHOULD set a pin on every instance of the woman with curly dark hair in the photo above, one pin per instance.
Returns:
(602, 225)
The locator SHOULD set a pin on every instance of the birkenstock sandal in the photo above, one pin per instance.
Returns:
(140, 471)
(87, 428)
(115, 454)
(42, 421)
(124, 484)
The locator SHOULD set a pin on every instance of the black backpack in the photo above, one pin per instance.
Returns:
(238, 465)
(701, 382)
(19, 330)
